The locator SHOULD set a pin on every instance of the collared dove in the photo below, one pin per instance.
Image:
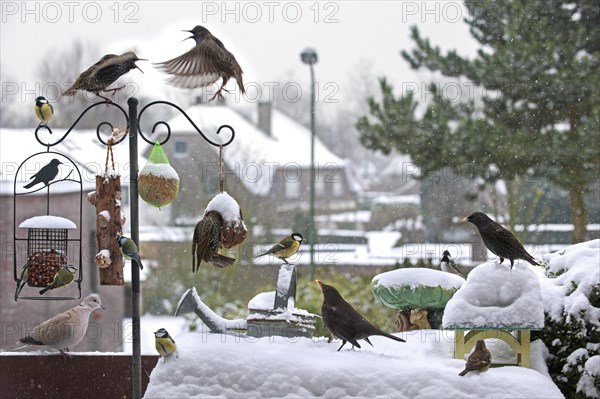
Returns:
(66, 329)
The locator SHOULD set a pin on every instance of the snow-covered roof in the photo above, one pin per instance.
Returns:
(82, 146)
(494, 297)
(258, 153)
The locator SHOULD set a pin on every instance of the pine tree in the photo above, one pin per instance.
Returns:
(539, 66)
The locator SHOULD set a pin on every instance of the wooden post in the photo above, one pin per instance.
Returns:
(109, 223)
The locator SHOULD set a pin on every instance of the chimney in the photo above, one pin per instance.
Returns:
(264, 116)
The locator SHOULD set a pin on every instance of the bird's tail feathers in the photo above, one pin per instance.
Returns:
(466, 370)
(390, 336)
(29, 340)
(220, 260)
(46, 289)
(70, 92)
(531, 260)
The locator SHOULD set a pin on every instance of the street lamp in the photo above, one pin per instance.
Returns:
(309, 56)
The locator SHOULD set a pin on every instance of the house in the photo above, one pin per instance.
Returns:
(86, 152)
(267, 166)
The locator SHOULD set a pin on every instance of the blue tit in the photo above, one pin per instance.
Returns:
(43, 110)
(22, 280)
(62, 278)
(165, 345)
(285, 248)
(129, 249)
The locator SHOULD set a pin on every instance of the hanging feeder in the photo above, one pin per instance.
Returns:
(109, 221)
(158, 182)
(49, 245)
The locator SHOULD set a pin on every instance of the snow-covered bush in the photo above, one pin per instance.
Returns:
(571, 296)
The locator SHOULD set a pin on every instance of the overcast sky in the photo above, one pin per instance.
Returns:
(266, 38)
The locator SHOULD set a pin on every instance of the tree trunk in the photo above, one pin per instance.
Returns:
(579, 214)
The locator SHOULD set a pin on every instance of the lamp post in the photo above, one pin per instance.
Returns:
(309, 56)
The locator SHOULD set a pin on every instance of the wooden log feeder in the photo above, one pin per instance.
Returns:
(109, 223)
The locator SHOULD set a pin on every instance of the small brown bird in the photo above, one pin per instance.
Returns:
(207, 242)
(480, 360)
(203, 65)
(103, 73)
(497, 239)
(343, 321)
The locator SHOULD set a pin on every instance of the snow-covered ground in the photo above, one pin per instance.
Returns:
(226, 366)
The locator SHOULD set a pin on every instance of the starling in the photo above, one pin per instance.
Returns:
(43, 110)
(103, 73)
(480, 360)
(285, 248)
(447, 264)
(497, 239)
(129, 249)
(207, 242)
(343, 321)
(203, 65)
(46, 174)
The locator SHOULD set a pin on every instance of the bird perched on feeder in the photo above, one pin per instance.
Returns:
(43, 110)
(480, 360)
(447, 264)
(103, 73)
(22, 280)
(285, 248)
(343, 321)
(129, 249)
(206, 242)
(66, 329)
(46, 174)
(204, 64)
(499, 240)
(165, 345)
(63, 277)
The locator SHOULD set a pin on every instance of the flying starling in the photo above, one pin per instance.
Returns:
(43, 110)
(207, 241)
(285, 248)
(497, 239)
(46, 174)
(343, 321)
(103, 73)
(203, 65)
(480, 360)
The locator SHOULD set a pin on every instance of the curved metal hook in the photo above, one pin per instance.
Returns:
(188, 118)
(51, 144)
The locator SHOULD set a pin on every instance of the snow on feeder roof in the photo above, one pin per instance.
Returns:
(47, 222)
(415, 288)
(496, 297)
(226, 206)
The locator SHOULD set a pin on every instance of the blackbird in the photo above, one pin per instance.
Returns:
(103, 73)
(204, 64)
(343, 321)
(207, 242)
(497, 239)
(46, 174)
(480, 360)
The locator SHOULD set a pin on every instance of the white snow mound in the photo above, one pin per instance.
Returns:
(494, 297)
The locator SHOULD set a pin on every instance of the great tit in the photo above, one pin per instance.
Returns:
(285, 248)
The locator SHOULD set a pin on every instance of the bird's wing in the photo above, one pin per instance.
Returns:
(200, 242)
(54, 329)
(86, 74)
(479, 359)
(281, 245)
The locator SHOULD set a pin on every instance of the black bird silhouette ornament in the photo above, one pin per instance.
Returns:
(46, 174)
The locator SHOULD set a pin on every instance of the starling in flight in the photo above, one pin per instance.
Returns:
(207, 242)
(204, 64)
(46, 174)
(103, 73)
(480, 360)
(285, 248)
(497, 239)
(43, 110)
(343, 321)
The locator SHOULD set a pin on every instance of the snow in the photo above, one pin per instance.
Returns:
(591, 371)
(47, 222)
(494, 297)
(416, 277)
(161, 170)
(104, 214)
(262, 301)
(105, 253)
(214, 318)
(226, 206)
(225, 366)
(581, 264)
(265, 301)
